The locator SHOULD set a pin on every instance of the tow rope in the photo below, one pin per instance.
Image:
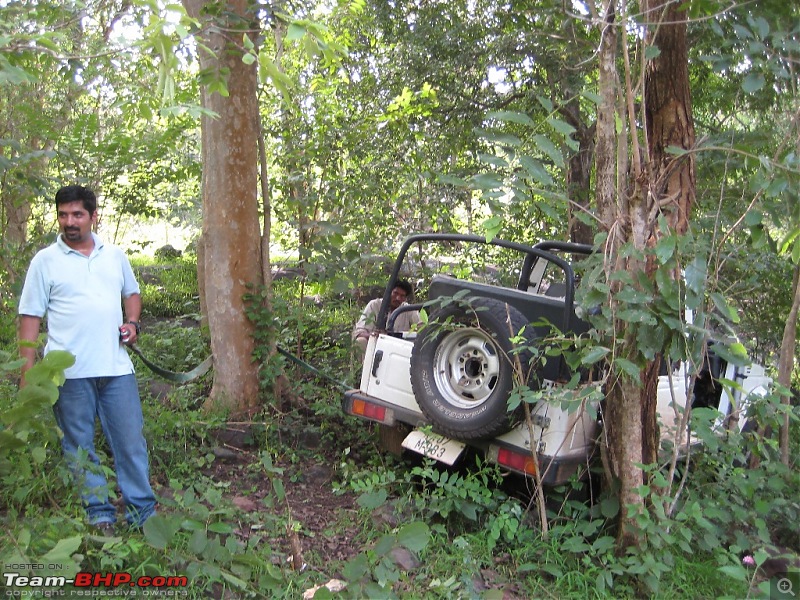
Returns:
(311, 368)
(204, 367)
(198, 371)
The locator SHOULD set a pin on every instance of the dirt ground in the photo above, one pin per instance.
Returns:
(320, 515)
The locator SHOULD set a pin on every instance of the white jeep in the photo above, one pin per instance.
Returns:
(447, 386)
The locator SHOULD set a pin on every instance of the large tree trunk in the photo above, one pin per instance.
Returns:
(231, 233)
(629, 205)
(668, 114)
(671, 181)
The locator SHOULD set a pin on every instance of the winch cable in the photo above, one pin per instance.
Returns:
(204, 367)
(312, 368)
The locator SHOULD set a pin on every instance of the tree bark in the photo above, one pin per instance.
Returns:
(786, 363)
(629, 206)
(579, 175)
(668, 114)
(671, 182)
(231, 233)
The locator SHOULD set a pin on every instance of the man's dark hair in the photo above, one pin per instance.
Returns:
(77, 193)
(405, 286)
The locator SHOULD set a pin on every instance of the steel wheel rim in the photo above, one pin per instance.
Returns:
(467, 368)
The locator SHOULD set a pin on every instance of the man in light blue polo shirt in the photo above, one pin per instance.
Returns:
(82, 286)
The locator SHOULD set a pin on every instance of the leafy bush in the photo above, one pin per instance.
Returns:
(169, 287)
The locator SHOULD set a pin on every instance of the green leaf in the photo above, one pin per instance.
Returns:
(414, 536)
(536, 170)
(737, 572)
(220, 527)
(695, 275)
(277, 487)
(630, 295)
(561, 127)
(753, 217)
(158, 531)
(724, 308)
(512, 117)
(373, 500)
(788, 240)
(356, 568)
(384, 545)
(198, 542)
(632, 315)
(753, 82)
(554, 570)
(58, 360)
(609, 507)
(734, 353)
(665, 248)
(233, 580)
(451, 180)
(492, 227)
(504, 139)
(604, 543)
(549, 148)
(628, 367)
(39, 455)
(493, 160)
(295, 31)
(652, 52)
(487, 181)
(63, 550)
(594, 355)
(546, 103)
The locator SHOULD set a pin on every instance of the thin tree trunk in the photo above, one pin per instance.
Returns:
(579, 175)
(786, 363)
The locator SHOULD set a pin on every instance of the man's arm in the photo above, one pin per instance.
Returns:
(28, 331)
(366, 324)
(133, 312)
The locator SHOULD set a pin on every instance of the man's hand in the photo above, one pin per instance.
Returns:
(128, 334)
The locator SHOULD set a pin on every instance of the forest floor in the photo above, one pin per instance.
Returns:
(327, 531)
(323, 520)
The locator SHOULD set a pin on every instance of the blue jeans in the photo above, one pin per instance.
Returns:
(115, 400)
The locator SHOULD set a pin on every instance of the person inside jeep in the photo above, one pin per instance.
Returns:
(405, 321)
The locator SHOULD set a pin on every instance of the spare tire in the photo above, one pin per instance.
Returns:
(462, 367)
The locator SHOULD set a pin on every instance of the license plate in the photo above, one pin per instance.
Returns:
(434, 446)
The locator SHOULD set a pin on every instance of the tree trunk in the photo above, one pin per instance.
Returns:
(231, 233)
(668, 114)
(786, 362)
(629, 213)
(579, 175)
(669, 123)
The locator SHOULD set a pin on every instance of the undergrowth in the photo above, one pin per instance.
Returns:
(423, 531)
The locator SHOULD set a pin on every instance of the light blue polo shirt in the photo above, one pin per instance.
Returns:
(82, 298)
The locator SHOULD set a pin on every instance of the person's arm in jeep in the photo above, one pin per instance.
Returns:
(28, 331)
(366, 323)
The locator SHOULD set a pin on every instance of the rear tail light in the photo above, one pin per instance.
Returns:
(373, 412)
(521, 462)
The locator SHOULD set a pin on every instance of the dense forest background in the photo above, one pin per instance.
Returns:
(310, 138)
